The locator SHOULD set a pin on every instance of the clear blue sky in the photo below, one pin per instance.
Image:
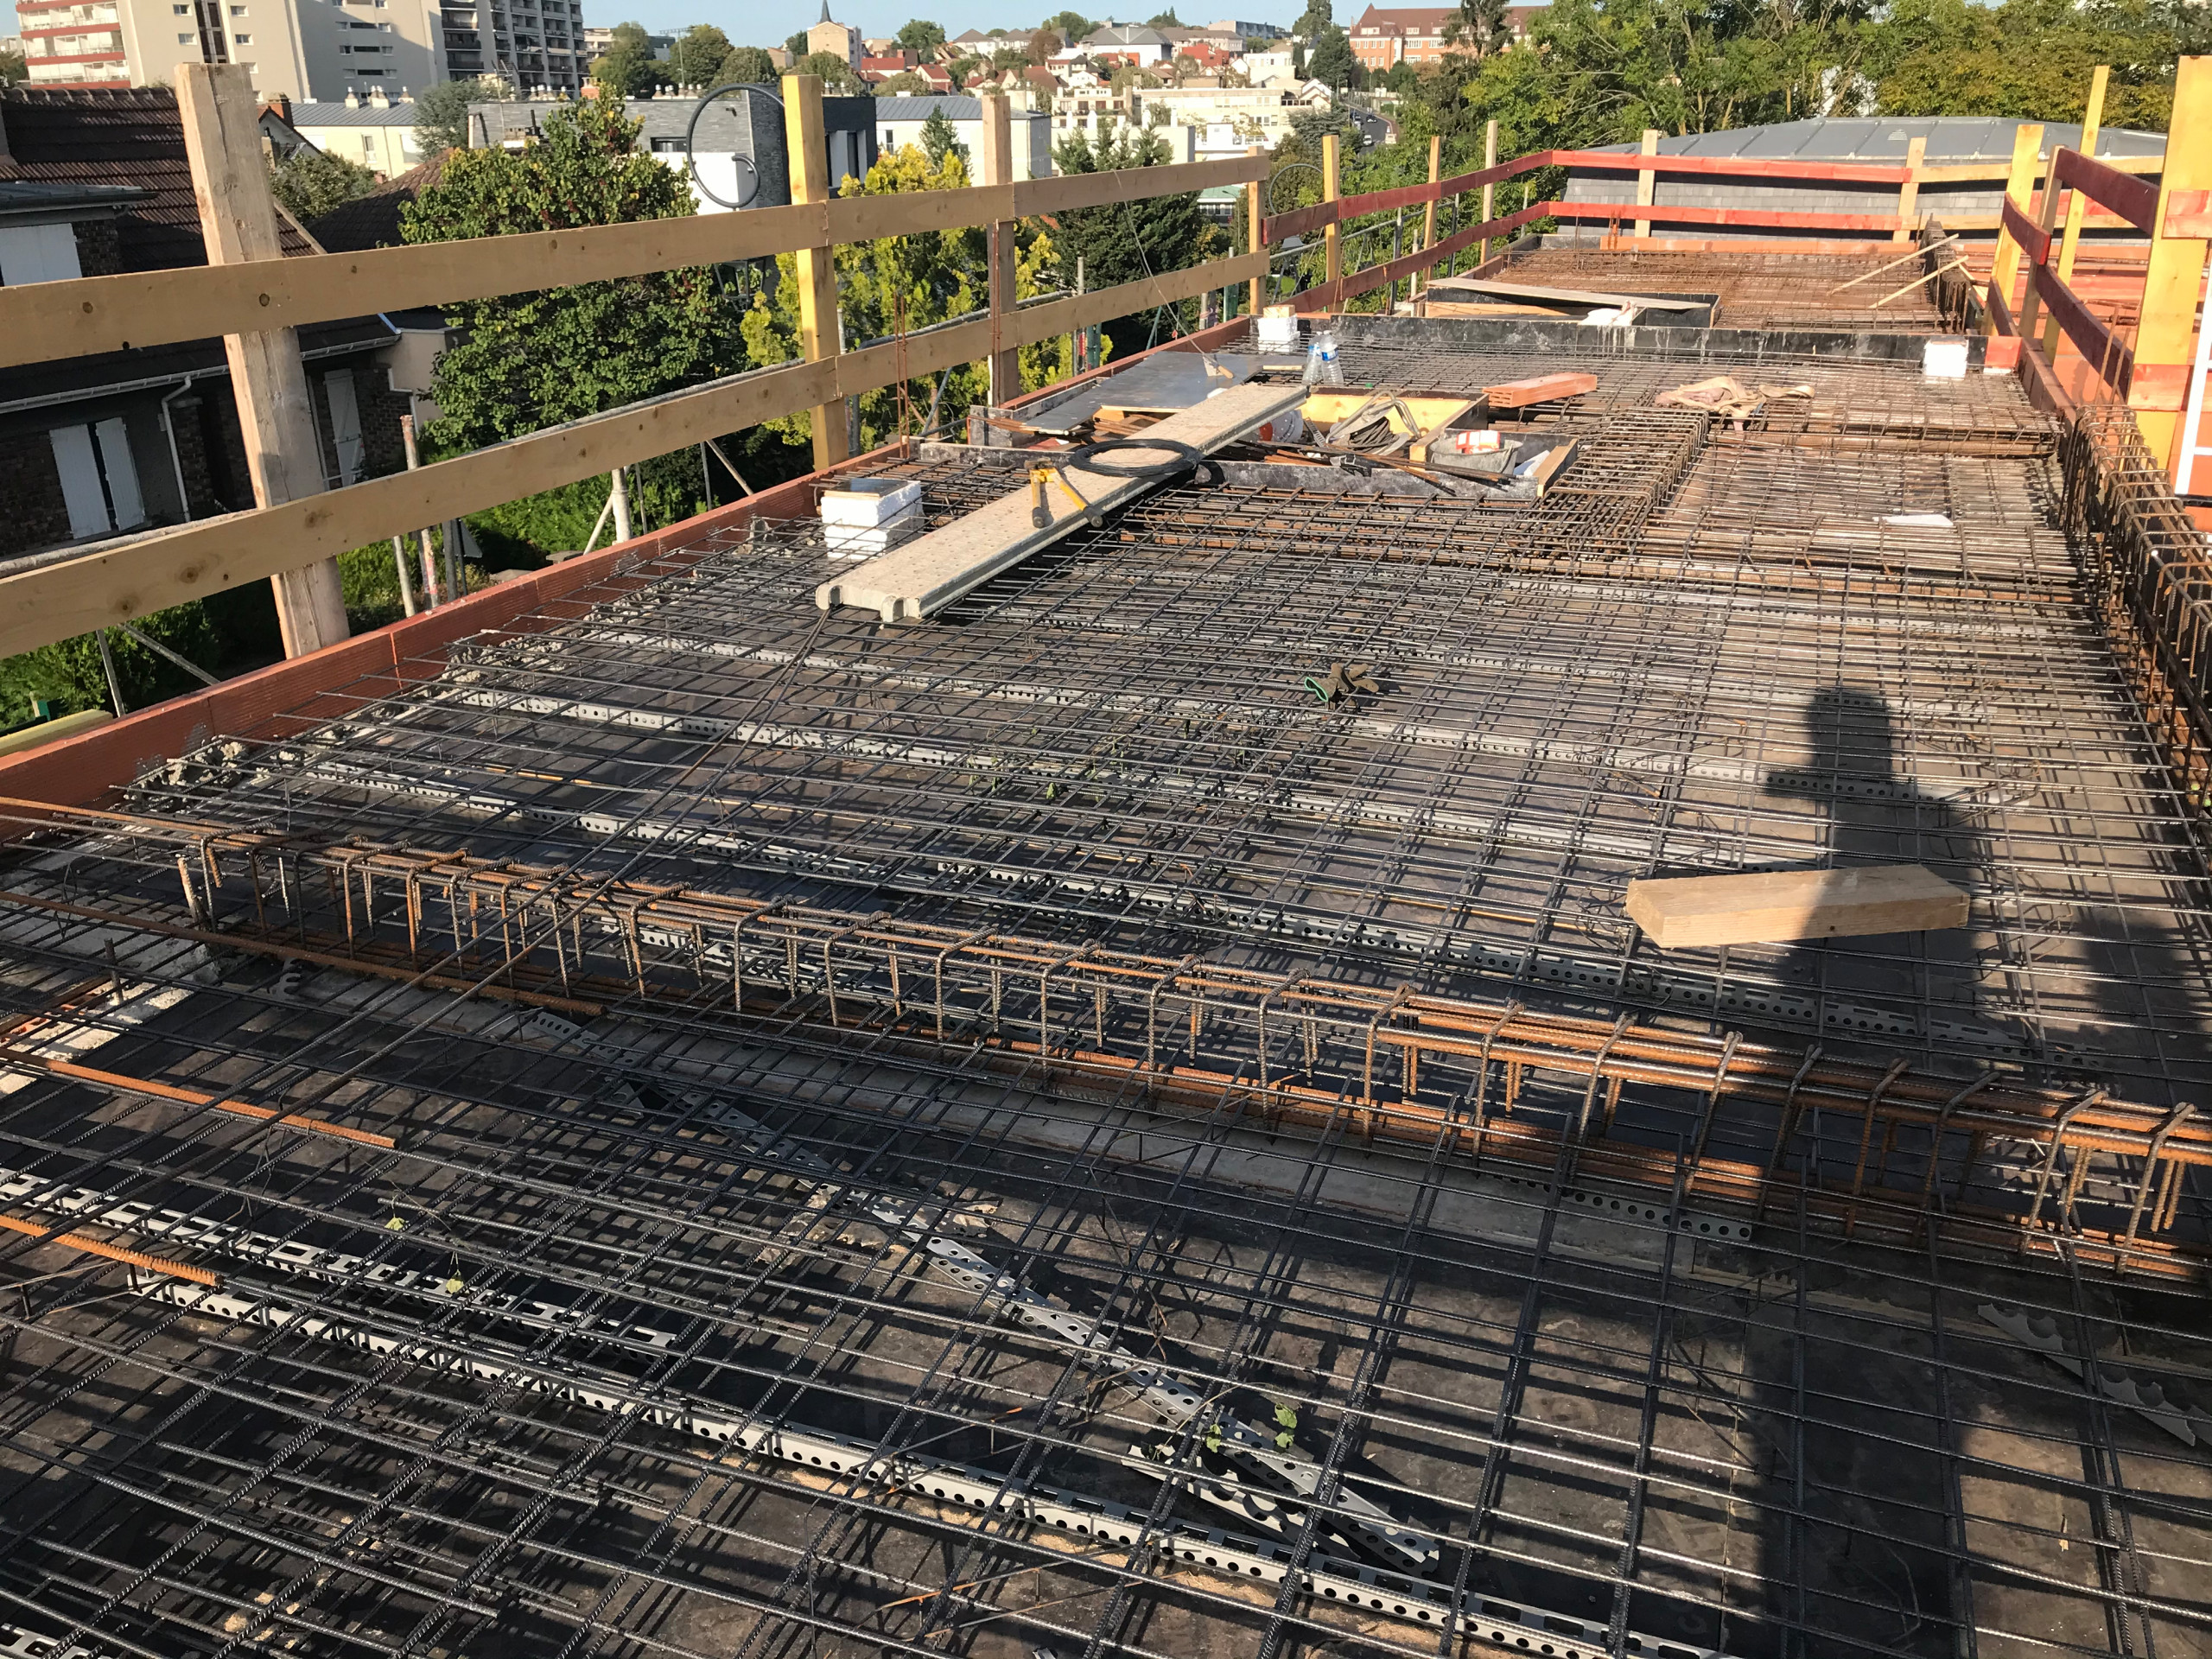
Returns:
(768, 24)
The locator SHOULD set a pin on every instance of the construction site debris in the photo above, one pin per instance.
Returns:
(1724, 394)
(1782, 907)
(1343, 682)
(1542, 389)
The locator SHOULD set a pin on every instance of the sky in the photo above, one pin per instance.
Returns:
(768, 22)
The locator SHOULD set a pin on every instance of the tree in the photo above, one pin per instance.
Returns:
(525, 362)
(1126, 242)
(796, 45)
(837, 76)
(747, 66)
(940, 139)
(2030, 59)
(920, 34)
(1480, 24)
(310, 183)
(1166, 19)
(1070, 25)
(1318, 16)
(1010, 57)
(965, 69)
(697, 55)
(1043, 44)
(627, 70)
(905, 84)
(1331, 63)
(441, 113)
(13, 68)
(904, 284)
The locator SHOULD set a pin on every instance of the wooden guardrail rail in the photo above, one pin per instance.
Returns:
(119, 581)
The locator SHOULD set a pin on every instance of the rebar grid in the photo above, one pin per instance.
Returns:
(721, 1129)
(1775, 290)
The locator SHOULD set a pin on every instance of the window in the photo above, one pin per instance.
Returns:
(241, 40)
(345, 424)
(99, 482)
(186, 40)
(345, 50)
(368, 143)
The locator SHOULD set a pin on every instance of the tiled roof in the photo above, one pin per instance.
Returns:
(373, 221)
(343, 115)
(116, 135)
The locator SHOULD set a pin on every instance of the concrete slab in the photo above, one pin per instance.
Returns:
(923, 576)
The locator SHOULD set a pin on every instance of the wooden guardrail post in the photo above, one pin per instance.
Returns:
(1332, 246)
(2077, 209)
(998, 169)
(238, 222)
(1647, 183)
(818, 267)
(1490, 159)
(2166, 338)
(2019, 186)
(2046, 216)
(1916, 155)
(1420, 278)
(1255, 206)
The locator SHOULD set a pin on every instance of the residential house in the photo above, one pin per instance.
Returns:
(899, 122)
(98, 183)
(375, 132)
(1137, 42)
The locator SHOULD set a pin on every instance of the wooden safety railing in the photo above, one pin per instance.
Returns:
(2150, 374)
(257, 299)
(1908, 177)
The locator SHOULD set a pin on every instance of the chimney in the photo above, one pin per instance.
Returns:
(377, 99)
(283, 103)
(352, 99)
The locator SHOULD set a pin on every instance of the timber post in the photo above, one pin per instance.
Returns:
(2166, 340)
(1647, 183)
(2019, 186)
(817, 266)
(997, 160)
(237, 221)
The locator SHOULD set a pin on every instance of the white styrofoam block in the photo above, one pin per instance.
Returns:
(866, 541)
(1944, 359)
(870, 500)
(1277, 333)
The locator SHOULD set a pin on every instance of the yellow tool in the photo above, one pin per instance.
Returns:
(1041, 513)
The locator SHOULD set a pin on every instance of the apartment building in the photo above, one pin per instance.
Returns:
(300, 49)
(1390, 35)
(540, 45)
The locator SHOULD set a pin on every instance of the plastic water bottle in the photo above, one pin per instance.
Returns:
(1322, 367)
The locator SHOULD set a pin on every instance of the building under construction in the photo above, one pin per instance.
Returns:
(655, 1111)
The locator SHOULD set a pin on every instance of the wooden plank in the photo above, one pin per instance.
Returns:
(1256, 217)
(1003, 367)
(2032, 238)
(1542, 389)
(132, 578)
(2173, 279)
(2027, 145)
(45, 320)
(1647, 180)
(1783, 906)
(2133, 199)
(1490, 165)
(1916, 154)
(1414, 285)
(820, 328)
(2189, 212)
(269, 380)
(1332, 246)
(2106, 351)
(915, 581)
(1751, 218)
(1564, 295)
(2077, 203)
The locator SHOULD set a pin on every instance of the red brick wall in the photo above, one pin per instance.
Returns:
(31, 485)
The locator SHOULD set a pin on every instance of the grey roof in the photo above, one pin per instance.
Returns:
(1950, 139)
(342, 115)
(1126, 34)
(22, 196)
(956, 107)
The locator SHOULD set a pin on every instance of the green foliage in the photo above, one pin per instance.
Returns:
(226, 632)
(795, 43)
(1479, 24)
(903, 283)
(837, 76)
(749, 66)
(940, 139)
(1330, 62)
(13, 69)
(920, 34)
(1166, 19)
(905, 84)
(1070, 25)
(1043, 44)
(628, 69)
(964, 70)
(2031, 59)
(697, 55)
(528, 361)
(1318, 16)
(441, 113)
(310, 183)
